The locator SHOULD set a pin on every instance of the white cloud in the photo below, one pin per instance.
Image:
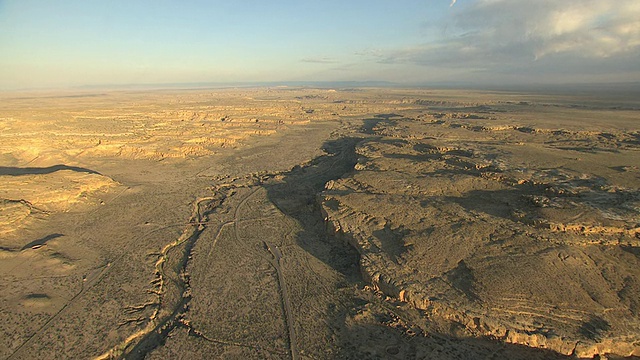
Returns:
(535, 36)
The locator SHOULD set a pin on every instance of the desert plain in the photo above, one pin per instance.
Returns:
(304, 223)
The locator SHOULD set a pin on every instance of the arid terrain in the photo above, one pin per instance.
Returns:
(295, 223)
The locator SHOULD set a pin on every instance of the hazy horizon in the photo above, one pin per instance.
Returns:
(471, 43)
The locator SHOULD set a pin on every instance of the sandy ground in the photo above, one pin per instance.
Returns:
(303, 223)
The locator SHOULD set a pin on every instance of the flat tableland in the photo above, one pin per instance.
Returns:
(319, 223)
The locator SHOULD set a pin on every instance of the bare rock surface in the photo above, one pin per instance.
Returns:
(499, 231)
(322, 224)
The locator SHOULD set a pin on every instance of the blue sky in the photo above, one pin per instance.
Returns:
(62, 43)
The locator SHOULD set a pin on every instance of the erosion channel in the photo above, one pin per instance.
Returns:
(320, 224)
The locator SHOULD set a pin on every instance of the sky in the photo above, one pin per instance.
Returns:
(68, 43)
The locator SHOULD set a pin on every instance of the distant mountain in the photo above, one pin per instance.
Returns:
(600, 89)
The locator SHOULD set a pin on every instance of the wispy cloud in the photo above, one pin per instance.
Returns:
(323, 60)
(453, 2)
